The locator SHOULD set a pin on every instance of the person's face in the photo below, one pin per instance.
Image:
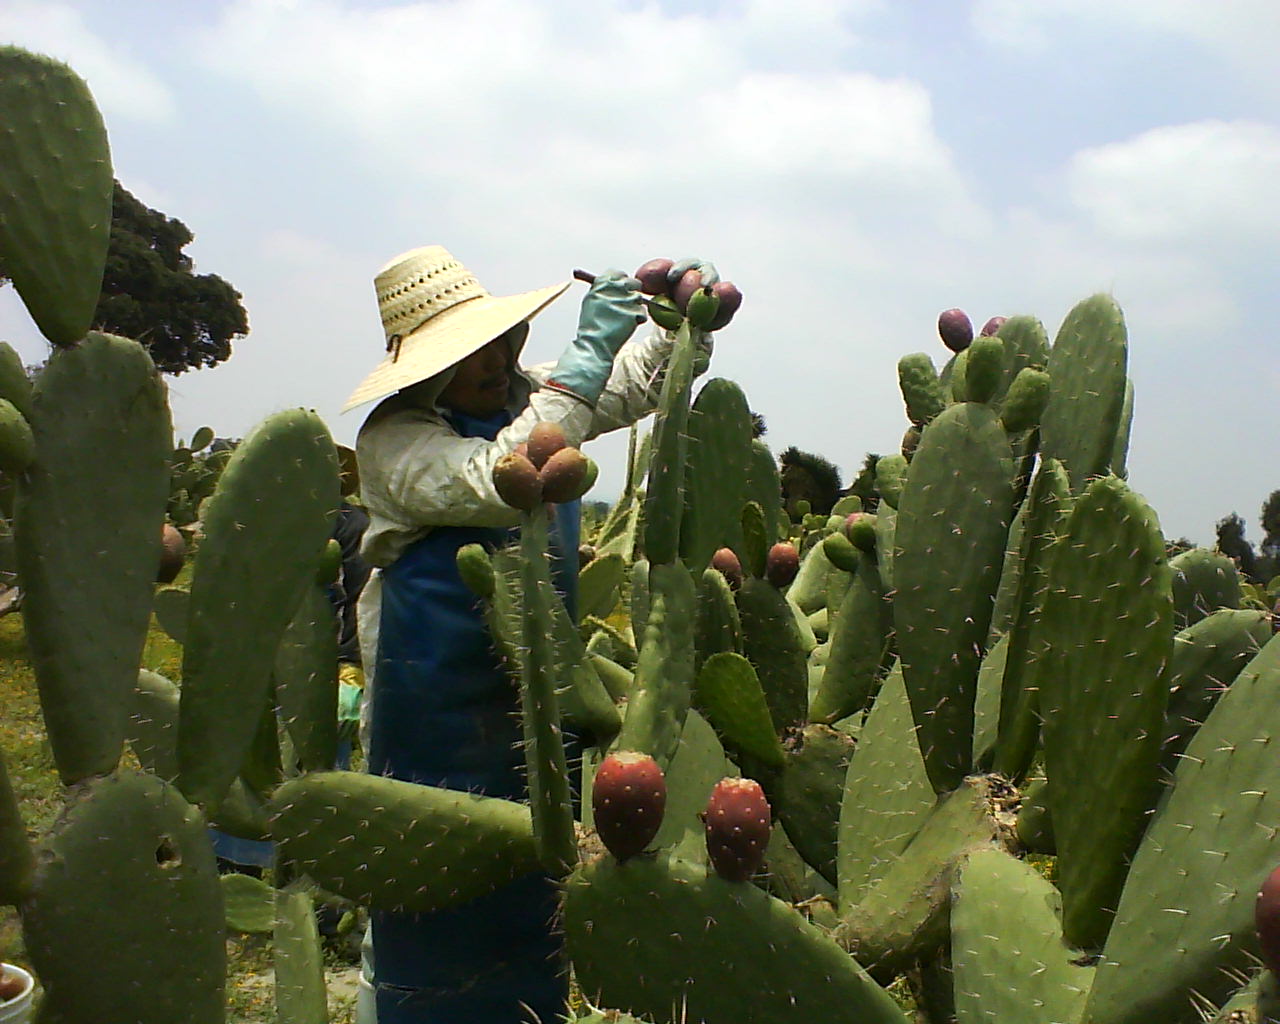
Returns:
(481, 384)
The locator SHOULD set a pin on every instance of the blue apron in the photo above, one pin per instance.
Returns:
(446, 713)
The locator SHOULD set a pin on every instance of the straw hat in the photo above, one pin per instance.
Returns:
(435, 314)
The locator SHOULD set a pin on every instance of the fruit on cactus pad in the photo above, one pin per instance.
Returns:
(545, 439)
(782, 564)
(517, 482)
(955, 328)
(726, 562)
(628, 798)
(737, 820)
(993, 325)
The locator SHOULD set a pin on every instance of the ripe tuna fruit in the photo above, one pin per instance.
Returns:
(993, 325)
(173, 553)
(782, 564)
(545, 439)
(725, 561)
(564, 475)
(737, 821)
(956, 329)
(628, 798)
(653, 276)
(516, 480)
(730, 299)
(1266, 916)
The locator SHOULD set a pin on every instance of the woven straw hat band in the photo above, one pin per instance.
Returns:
(419, 285)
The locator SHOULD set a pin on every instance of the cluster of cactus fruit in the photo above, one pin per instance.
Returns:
(819, 755)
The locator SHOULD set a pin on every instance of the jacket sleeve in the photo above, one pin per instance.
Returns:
(418, 472)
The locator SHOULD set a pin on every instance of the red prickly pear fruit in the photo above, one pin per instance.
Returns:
(628, 798)
(726, 562)
(737, 821)
(782, 564)
(564, 476)
(860, 528)
(956, 329)
(653, 276)
(683, 290)
(173, 553)
(1266, 919)
(993, 325)
(545, 439)
(517, 482)
(730, 299)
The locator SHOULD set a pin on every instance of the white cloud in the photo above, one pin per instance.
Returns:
(122, 88)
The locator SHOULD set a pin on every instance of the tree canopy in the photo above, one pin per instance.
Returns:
(149, 292)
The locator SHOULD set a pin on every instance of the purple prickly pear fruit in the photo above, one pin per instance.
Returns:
(730, 299)
(564, 476)
(860, 528)
(653, 276)
(956, 329)
(628, 798)
(782, 564)
(545, 439)
(683, 290)
(1266, 917)
(726, 563)
(173, 553)
(993, 325)
(516, 480)
(737, 820)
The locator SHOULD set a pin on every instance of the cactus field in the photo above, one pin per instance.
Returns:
(977, 751)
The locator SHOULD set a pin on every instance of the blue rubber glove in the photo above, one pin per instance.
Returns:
(707, 269)
(611, 311)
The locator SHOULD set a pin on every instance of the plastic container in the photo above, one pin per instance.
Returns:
(19, 1009)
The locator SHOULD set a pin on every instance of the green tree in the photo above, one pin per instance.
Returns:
(149, 292)
(1232, 543)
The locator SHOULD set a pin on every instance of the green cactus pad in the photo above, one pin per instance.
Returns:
(126, 892)
(55, 192)
(808, 795)
(664, 500)
(719, 460)
(15, 385)
(764, 487)
(1007, 953)
(891, 477)
(662, 938)
(953, 524)
(1209, 847)
(922, 393)
(1025, 401)
(887, 795)
(663, 684)
(171, 607)
(719, 629)
(984, 369)
(772, 642)
(1203, 582)
(249, 903)
(809, 589)
(88, 519)
(1025, 344)
(1087, 367)
(16, 859)
(17, 442)
(728, 694)
(599, 583)
(397, 845)
(1109, 619)
(264, 530)
(301, 995)
(306, 681)
(858, 647)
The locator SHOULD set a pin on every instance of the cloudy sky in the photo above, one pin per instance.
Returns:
(856, 166)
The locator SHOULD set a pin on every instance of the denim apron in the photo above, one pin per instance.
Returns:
(445, 713)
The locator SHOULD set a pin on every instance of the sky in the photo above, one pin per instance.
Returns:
(855, 166)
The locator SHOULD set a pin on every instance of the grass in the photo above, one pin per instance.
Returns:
(27, 755)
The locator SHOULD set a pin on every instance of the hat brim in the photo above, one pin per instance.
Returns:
(449, 337)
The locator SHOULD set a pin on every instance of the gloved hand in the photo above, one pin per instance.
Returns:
(707, 269)
(611, 311)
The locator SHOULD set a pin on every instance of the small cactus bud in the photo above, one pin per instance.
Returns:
(628, 798)
(782, 564)
(840, 552)
(956, 329)
(702, 309)
(564, 476)
(476, 569)
(737, 821)
(653, 276)
(663, 312)
(516, 480)
(545, 439)
(992, 326)
(327, 570)
(726, 562)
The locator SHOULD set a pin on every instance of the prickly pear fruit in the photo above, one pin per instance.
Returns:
(1266, 916)
(703, 306)
(173, 552)
(730, 299)
(663, 312)
(564, 475)
(737, 820)
(860, 528)
(476, 569)
(545, 439)
(955, 328)
(1025, 401)
(993, 325)
(782, 564)
(653, 276)
(685, 287)
(726, 562)
(628, 798)
(516, 480)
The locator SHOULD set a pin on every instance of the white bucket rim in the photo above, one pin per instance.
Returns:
(23, 997)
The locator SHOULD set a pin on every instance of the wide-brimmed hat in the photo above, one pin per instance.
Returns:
(434, 314)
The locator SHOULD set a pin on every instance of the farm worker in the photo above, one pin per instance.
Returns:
(441, 710)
